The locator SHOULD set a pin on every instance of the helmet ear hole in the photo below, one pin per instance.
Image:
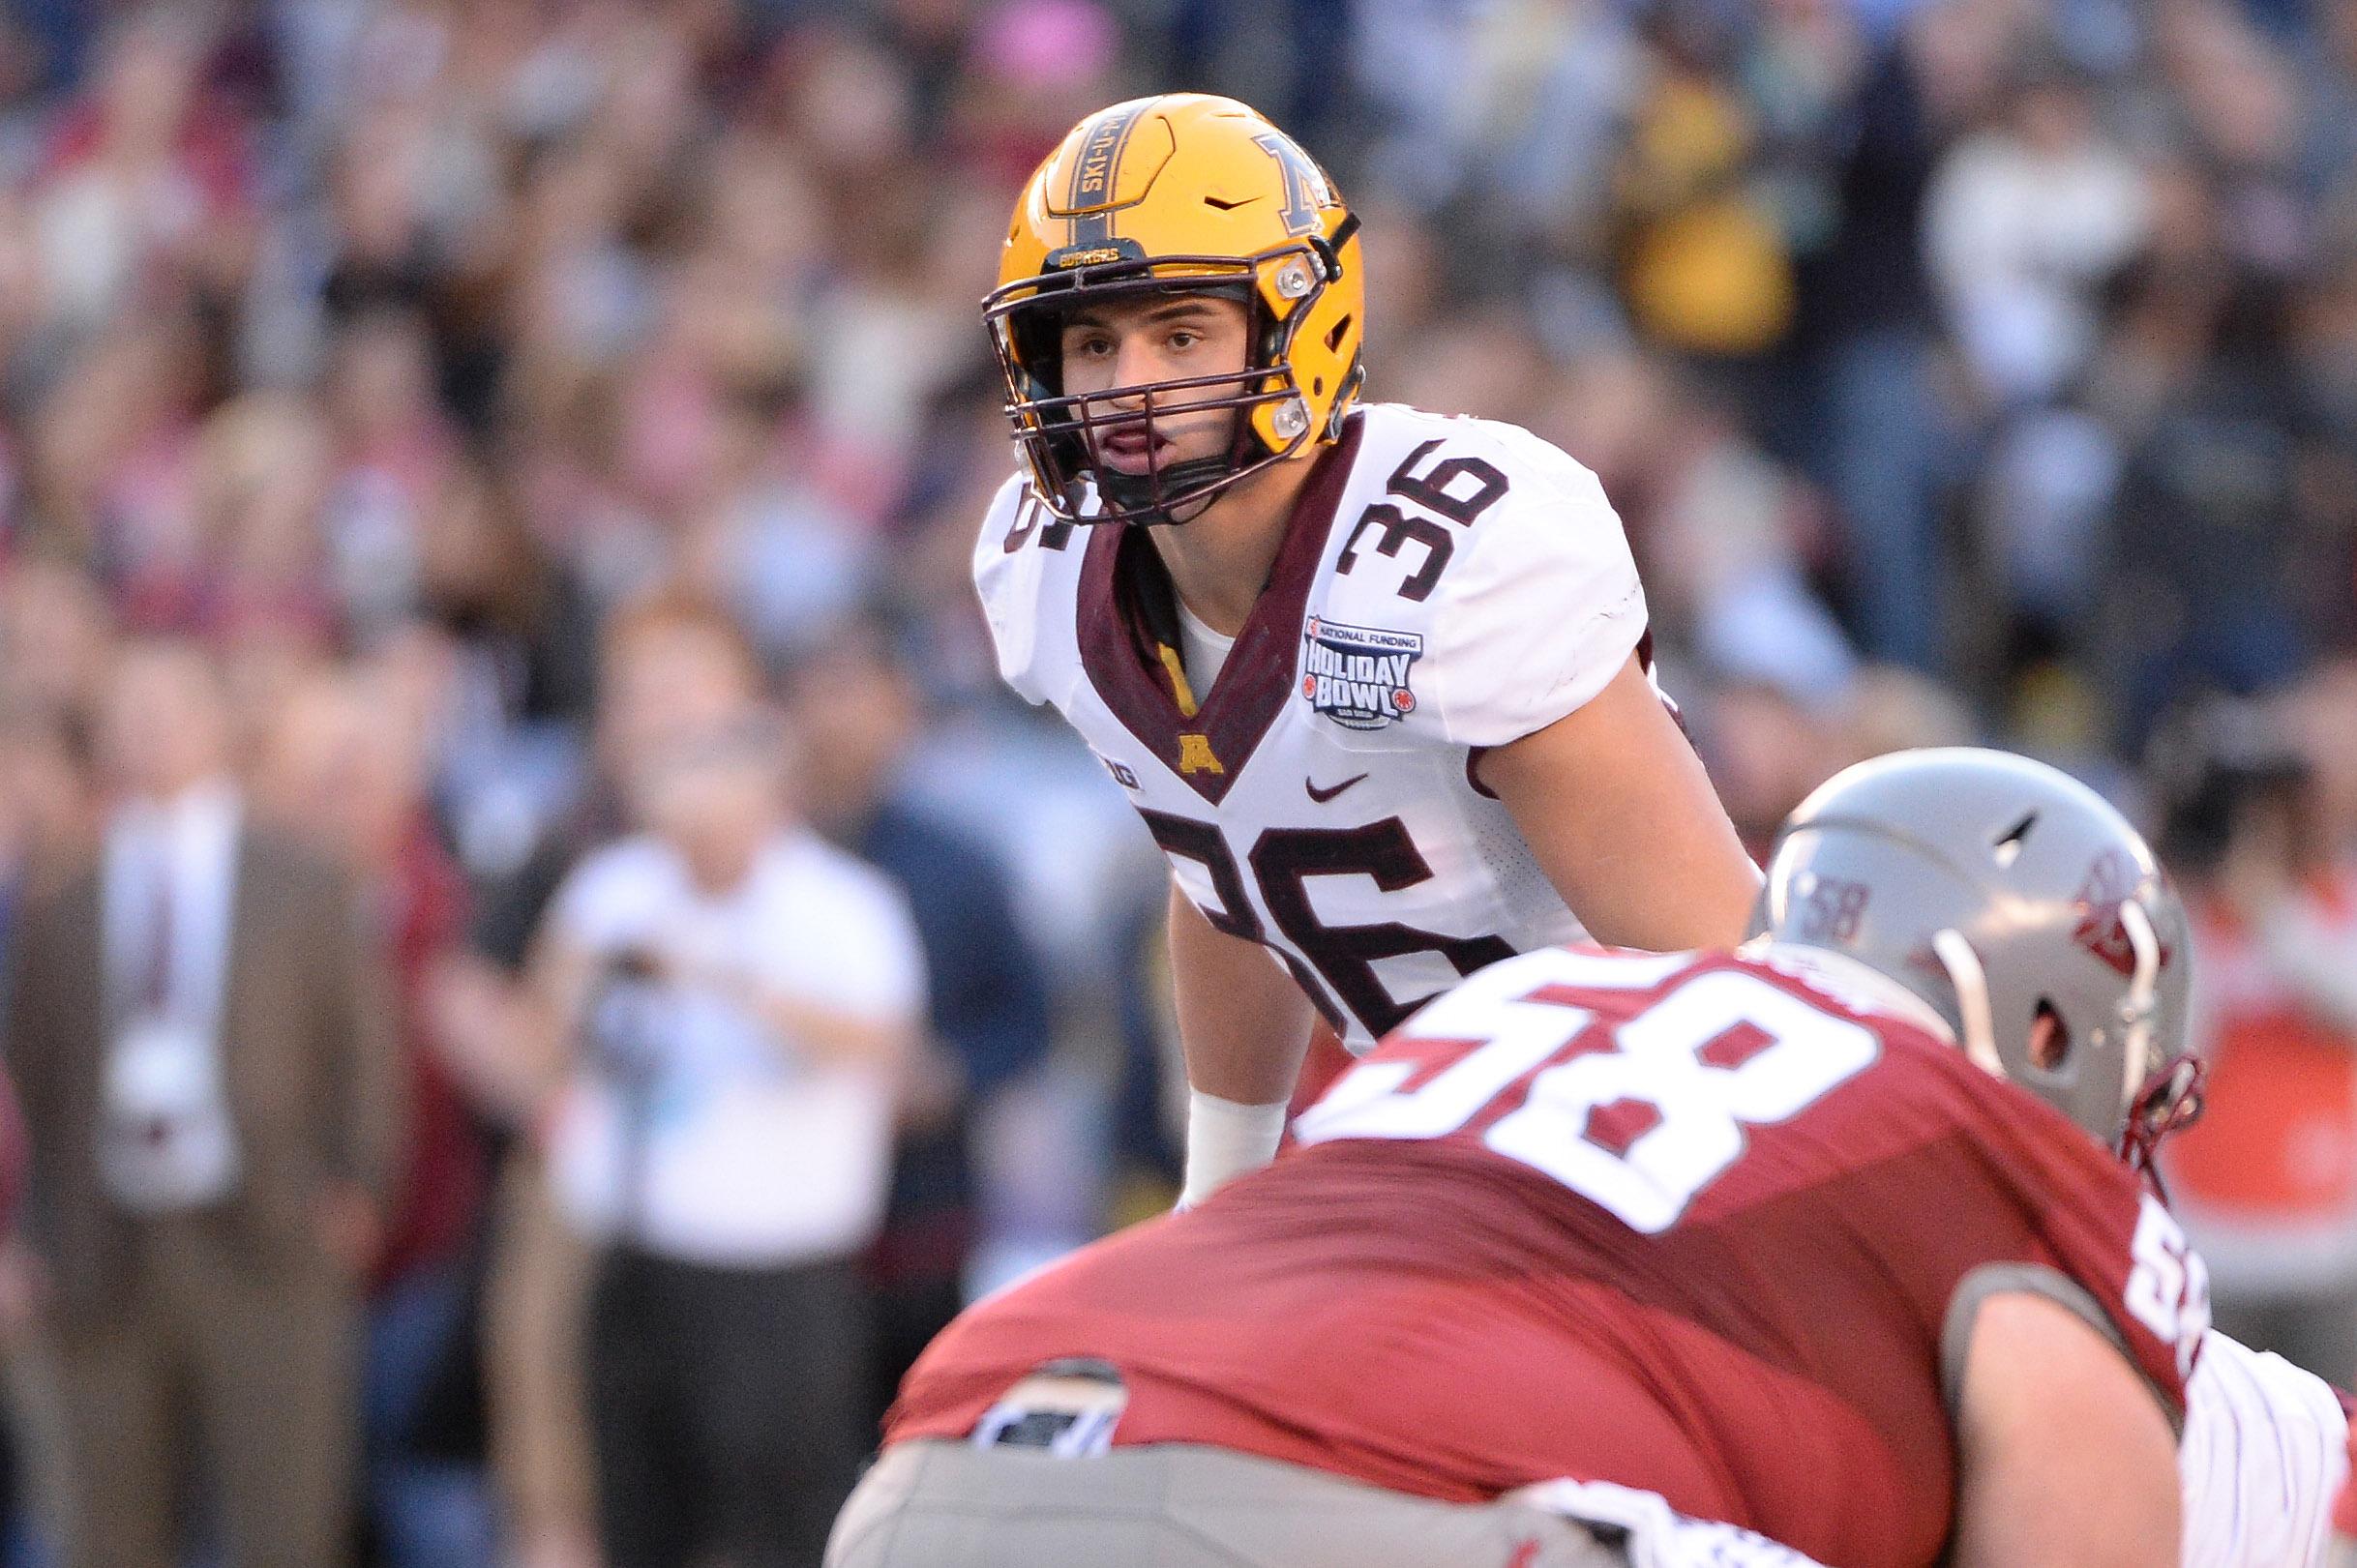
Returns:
(2049, 1038)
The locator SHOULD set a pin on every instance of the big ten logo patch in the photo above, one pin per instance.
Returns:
(1122, 773)
(1359, 675)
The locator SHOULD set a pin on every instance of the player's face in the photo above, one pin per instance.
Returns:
(1111, 349)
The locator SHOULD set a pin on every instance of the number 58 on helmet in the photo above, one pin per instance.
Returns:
(1179, 194)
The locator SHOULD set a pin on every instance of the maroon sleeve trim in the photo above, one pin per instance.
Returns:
(1473, 771)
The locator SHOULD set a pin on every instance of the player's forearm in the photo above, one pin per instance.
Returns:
(1243, 1023)
(1620, 815)
(1244, 1026)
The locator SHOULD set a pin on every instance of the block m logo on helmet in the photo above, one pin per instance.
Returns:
(1307, 192)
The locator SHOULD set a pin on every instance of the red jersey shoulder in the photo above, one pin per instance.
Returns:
(1767, 1097)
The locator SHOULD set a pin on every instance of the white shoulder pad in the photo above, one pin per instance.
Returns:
(1010, 568)
(2264, 1454)
(1541, 606)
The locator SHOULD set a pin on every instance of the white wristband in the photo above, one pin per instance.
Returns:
(1224, 1140)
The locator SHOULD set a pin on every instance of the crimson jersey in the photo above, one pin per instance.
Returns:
(1713, 1228)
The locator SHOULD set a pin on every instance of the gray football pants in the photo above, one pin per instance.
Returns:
(943, 1504)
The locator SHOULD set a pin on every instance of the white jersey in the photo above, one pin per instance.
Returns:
(2265, 1452)
(1446, 585)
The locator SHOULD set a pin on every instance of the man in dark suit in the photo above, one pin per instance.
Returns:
(198, 1027)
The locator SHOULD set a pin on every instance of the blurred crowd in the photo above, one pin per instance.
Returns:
(502, 473)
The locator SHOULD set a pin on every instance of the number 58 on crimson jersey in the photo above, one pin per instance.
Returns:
(1444, 585)
(1713, 1229)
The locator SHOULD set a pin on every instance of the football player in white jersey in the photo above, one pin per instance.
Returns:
(2264, 1454)
(1376, 679)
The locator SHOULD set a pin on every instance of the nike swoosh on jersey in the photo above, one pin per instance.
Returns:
(1322, 796)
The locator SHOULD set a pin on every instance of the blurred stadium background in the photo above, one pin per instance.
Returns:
(467, 380)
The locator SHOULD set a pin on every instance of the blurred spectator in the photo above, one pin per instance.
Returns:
(45, 819)
(1705, 266)
(343, 765)
(2023, 223)
(743, 1000)
(516, 628)
(261, 469)
(1767, 750)
(2208, 532)
(55, 639)
(1032, 68)
(1722, 531)
(671, 668)
(214, 1102)
(113, 469)
(393, 448)
(2267, 1180)
(856, 712)
(1891, 709)
(1868, 354)
(149, 173)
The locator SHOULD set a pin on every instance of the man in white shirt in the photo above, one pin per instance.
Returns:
(742, 998)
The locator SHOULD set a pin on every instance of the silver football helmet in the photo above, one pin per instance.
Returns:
(2022, 908)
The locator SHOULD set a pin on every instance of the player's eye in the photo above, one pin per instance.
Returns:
(1090, 347)
(1185, 338)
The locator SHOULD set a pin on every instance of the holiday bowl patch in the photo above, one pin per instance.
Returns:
(1358, 675)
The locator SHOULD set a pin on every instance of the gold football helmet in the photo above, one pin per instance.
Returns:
(1180, 193)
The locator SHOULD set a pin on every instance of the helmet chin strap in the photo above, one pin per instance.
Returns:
(1971, 983)
(1132, 491)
